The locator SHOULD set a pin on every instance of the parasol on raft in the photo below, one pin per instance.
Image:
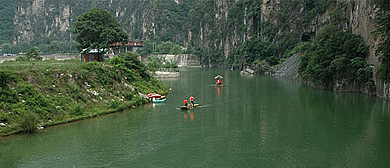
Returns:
(218, 76)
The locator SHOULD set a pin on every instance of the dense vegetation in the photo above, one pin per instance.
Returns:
(42, 93)
(335, 56)
(382, 21)
(272, 40)
(97, 29)
(7, 13)
(51, 47)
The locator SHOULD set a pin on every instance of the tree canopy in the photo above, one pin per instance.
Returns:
(335, 55)
(97, 29)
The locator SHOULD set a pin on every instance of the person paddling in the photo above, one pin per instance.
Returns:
(192, 101)
(185, 102)
(218, 82)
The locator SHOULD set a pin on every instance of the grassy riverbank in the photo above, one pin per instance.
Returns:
(44, 93)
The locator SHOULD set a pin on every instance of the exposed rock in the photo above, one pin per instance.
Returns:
(247, 71)
(182, 60)
(288, 69)
(162, 74)
(87, 86)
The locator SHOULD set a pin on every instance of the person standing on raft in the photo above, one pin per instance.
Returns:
(192, 101)
(219, 82)
(185, 102)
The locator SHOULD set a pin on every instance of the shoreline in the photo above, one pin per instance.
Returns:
(38, 94)
(76, 119)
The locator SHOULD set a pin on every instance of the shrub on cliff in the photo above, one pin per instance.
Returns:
(382, 21)
(334, 56)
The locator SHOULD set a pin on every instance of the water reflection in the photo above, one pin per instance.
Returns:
(219, 91)
(191, 112)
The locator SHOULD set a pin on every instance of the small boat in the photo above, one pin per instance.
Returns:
(218, 83)
(189, 107)
(159, 100)
(154, 95)
(156, 98)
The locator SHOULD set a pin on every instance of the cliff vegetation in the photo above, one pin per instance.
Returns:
(229, 33)
(382, 21)
(7, 13)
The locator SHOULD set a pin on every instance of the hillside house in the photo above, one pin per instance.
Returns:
(93, 55)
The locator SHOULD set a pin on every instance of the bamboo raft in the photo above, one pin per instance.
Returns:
(189, 107)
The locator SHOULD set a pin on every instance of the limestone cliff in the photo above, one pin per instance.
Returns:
(217, 26)
(187, 22)
(358, 18)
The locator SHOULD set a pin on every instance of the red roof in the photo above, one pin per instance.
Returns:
(131, 43)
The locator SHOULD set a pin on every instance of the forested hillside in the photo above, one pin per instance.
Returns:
(233, 33)
(7, 13)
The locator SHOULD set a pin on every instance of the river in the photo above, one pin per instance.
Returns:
(254, 121)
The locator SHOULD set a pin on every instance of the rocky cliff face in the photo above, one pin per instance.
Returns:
(359, 16)
(207, 23)
(40, 20)
(195, 22)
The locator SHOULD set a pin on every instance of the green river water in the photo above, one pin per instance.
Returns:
(255, 121)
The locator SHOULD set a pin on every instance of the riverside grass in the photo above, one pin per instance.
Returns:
(43, 93)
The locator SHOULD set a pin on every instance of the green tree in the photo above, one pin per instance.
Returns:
(45, 48)
(6, 49)
(176, 49)
(56, 46)
(72, 47)
(165, 47)
(97, 29)
(15, 49)
(33, 54)
(25, 46)
(130, 61)
(147, 48)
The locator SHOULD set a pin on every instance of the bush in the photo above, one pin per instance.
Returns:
(3, 116)
(77, 110)
(114, 104)
(27, 120)
(128, 95)
(116, 61)
(3, 78)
